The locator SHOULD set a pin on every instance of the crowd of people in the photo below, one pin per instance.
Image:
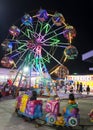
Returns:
(76, 88)
(48, 90)
(9, 90)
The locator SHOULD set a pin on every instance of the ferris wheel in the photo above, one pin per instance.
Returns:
(34, 41)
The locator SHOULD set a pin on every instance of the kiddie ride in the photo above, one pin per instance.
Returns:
(34, 111)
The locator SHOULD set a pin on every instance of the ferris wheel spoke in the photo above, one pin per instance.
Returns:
(54, 30)
(27, 36)
(18, 53)
(36, 26)
(20, 58)
(46, 28)
(47, 57)
(56, 45)
(62, 59)
(16, 50)
(41, 27)
(55, 25)
(31, 33)
(55, 35)
(21, 45)
(31, 25)
(53, 50)
(17, 41)
(52, 56)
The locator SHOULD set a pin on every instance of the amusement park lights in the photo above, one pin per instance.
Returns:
(26, 69)
(38, 40)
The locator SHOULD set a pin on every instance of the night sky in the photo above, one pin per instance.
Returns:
(77, 13)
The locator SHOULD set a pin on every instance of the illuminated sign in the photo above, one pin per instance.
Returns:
(85, 79)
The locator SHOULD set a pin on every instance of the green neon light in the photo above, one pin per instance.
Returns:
(21, 47)
(47, 28)
(46, 59)
(54, 41)
(29, 32)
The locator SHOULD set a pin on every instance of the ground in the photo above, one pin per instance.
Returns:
(10, 121)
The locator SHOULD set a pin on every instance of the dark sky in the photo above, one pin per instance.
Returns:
(76, 12)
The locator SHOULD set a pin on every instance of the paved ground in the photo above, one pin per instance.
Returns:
(10, 121)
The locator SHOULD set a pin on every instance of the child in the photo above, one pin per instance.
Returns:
(34, 96)
(71, 99)
(60, 120)
(71, 110)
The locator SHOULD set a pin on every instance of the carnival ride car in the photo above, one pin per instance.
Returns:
(50, 115)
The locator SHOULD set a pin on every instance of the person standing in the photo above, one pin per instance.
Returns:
(77, 90)
(80, 88)
(88, 89)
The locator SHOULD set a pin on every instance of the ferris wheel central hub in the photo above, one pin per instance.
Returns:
(39, 39)
(34, 43)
